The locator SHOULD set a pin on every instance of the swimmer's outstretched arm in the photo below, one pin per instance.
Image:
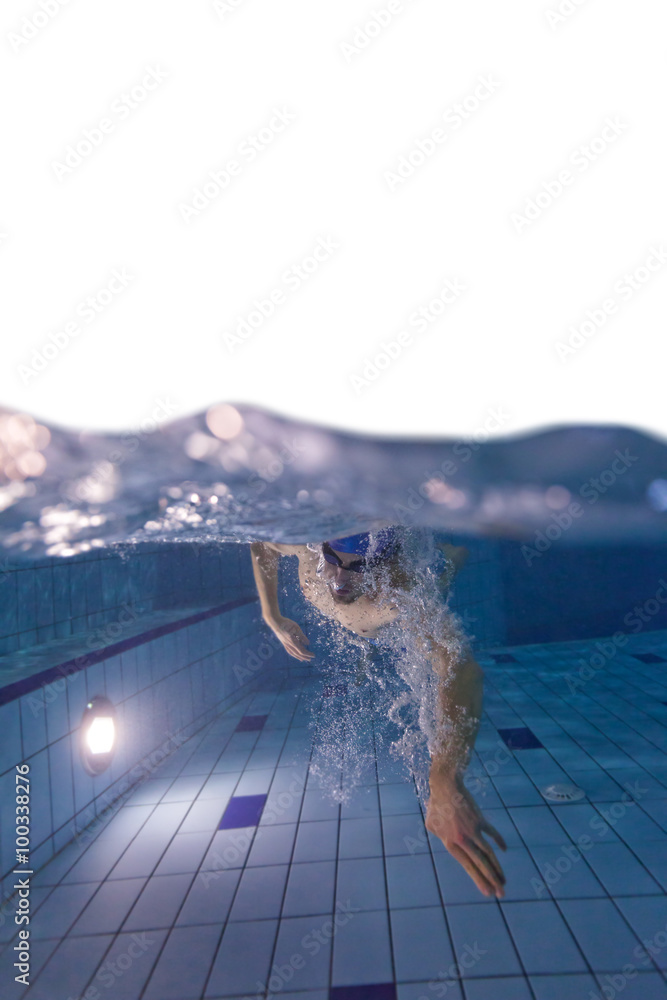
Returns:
(265, 557)
(452, 813)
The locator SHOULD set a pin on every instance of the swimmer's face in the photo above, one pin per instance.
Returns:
(345, 586)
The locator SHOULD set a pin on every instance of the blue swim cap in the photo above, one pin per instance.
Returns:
(358, 544)
(353, 543)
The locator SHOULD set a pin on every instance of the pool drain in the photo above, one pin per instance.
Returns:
(563, 793)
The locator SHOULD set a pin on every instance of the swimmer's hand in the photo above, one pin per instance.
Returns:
(291, 636)
(453, 815)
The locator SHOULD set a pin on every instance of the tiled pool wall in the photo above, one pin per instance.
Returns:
(560, 593)
(57, 597)
(164, 689)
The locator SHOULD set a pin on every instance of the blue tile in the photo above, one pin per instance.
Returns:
(173, 978)
(360, 838)
(619, 871)
(643, 986)
(503, 658)
(601, 932)
(411, 881)
(542, 938)
(361, 949)
(115, 971)
(33, 722)
(421, 942)
(251, 723)
(482, 944)
(310, 939)
(564, 987)
(184, 854)
(158, 903)
(232, 972)
(310, 889)
(517, 790)
(63, 906)
(646, 916)
(11, 752)
(565, 873)
(368, 991)
(60, 764)
(362, 881)
(260, 893)
(109, 907)
(648, 658)
(507, 988)
(273, 845)
(316, 841)
(70, 967)
(519, 738)
(242, 811)
(420, 991)
(210, 898)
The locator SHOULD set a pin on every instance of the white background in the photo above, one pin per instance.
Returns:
(356, 111)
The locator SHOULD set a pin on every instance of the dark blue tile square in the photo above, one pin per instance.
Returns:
(504, 658)
(519, 738)
(251, 723)
(243, 810)
(649, 658)
(373, 991)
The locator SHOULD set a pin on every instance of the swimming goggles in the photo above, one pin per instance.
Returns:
(357, 566)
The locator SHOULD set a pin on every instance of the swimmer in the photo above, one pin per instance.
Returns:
(338, 577)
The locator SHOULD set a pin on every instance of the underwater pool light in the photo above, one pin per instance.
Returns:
(98, 734)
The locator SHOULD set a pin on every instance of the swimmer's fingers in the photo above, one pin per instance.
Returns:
(294, 641)
(491, 831)
(487, 855)
(474, 869)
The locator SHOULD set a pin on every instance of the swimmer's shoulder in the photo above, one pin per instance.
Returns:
(302, 551)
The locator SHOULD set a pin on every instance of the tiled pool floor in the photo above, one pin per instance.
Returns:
(181, 893)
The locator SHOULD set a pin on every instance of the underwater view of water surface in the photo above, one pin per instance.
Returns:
(293, 712)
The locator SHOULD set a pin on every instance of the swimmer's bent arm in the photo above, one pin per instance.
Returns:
(453, 814)
(265, 557)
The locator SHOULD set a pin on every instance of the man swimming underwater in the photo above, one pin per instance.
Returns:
(340, 578)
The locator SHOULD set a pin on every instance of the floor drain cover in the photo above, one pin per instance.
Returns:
(563, 793)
